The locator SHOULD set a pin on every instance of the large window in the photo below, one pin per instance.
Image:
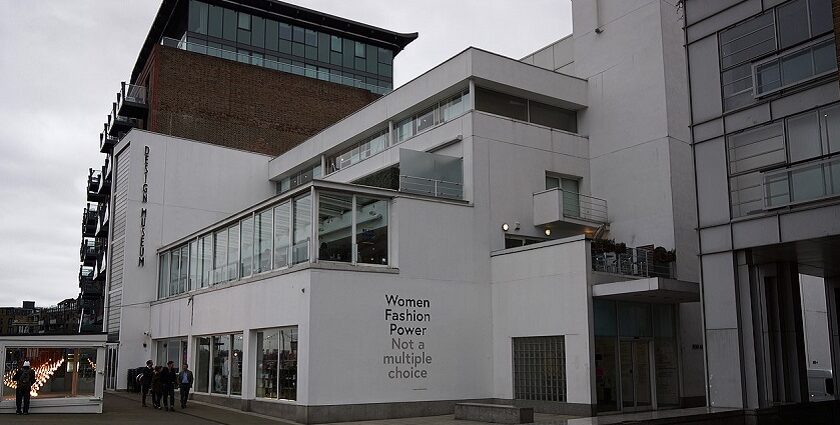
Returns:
(277, 363)
(525, 110)
(60, 372)
(246, 247)
(747, 73)
(301, 230)
(347, 237)
(263, 239)
(539, 368)
(219, 364)
(282, 234)
(758, 158)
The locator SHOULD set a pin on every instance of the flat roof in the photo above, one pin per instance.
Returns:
(289, 12)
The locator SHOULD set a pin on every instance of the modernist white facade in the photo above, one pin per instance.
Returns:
(448, 242)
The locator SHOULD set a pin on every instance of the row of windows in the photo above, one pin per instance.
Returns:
(274, 36)
(403, 130)
(525, 110)
(351, 228)
(270, 239)
(785, 26)
(752, 153)
(221, 50)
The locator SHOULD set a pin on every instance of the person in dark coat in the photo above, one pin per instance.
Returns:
(185, 380)
(146, 374)
(157, 387)
(23, 378)
(169, 376)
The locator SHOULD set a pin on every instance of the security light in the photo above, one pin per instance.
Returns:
(505, 227)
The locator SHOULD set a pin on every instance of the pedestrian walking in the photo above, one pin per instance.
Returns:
(23, 378)
(146, 374)
(185, 379)
(169, 376)
(157, 386)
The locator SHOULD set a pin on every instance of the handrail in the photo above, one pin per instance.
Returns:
(578, 205)
(272, 64)
(432, 187)
(637, 262)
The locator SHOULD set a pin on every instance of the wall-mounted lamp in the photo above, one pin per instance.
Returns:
(516, 226)
(505, 227)
(548, 232)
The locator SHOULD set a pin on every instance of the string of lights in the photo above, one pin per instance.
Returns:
(42, 374)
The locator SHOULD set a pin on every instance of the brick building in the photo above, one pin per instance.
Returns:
(257, 76)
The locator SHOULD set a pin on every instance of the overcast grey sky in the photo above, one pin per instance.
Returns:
(61, 62)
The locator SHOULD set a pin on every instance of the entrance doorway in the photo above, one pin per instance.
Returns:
(635, 366)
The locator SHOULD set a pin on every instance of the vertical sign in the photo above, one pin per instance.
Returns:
(141, 260)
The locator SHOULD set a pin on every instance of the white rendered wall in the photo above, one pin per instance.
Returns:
(544, 290)
(815, 321)
(190, 185)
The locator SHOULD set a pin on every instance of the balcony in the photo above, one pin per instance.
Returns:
(90, 217)
(87, 252)
(132, 101)
(811, 181)
(93, 182)
(104, 188)
(85, 275)
(569, 212)
(91, 290)
(101, 266)
(103, 224)
(636, 262)
(118, 125)
(106, 141)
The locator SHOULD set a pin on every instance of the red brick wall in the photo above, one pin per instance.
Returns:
(227, 103)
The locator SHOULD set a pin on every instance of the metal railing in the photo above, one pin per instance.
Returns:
(431, 187)
(810, 181)
(636, 262)
(272, 64)
(585, 207)
(133, 93)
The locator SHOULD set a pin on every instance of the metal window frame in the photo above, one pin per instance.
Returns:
(810, 45)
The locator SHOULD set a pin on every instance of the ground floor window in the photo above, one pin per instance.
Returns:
(636, 356)
(59, 372)
(276, 372)
(218, 368)
(172, 349)
(539, 368)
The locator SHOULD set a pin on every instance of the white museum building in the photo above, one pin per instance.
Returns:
(495, 229)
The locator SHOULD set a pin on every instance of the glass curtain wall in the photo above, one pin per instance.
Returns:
(276, 373)
(440, 113)
(636, 354)
(60, 372)
(262, 41)
(351, 229)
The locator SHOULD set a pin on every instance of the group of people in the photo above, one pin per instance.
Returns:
(161, 381)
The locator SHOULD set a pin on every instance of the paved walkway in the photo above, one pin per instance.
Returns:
(124, 408)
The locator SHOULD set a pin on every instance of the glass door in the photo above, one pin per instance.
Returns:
(636, 382)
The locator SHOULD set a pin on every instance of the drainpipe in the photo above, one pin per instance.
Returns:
(598, 29)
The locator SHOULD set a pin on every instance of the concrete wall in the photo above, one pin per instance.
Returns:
(544, 290)
(190, 185)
